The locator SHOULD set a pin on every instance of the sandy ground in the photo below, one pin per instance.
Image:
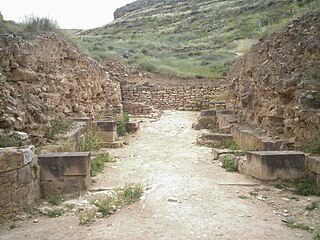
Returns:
(188, 196)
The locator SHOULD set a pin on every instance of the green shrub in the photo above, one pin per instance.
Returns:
(122, 196)
(122, 124)
(98, 163)
(54, 200)
(89, 142)
(228, 164)
(54, 213)
(227, 144)
(6, 141)
(58, 126)
(305, 188)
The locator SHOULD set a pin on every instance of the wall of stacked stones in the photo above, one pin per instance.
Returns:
(19, 179)
(179, 97)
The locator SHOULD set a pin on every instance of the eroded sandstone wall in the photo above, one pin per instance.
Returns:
(49, 78)
(274, 86)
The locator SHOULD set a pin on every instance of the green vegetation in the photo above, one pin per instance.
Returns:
(200, 39)
(98, 162)
(228, 164)
(213, 128)
(313, 144)
(13, 225)
(242, 197)
(87, 216)
(222, 96)
(54, 200)
(122, 196)
(122, 124)
(317, 234)
(298, 225)
(305, 188)
(312, 206)
(9, 141)
(54, 213)
(58, 126)
(89, 142)
(227, 144)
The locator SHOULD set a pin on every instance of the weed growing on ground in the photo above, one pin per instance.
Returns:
(89, 142)
(228, 164)
(122, 196)
(312, 206)
(243, 197)
(58, 126)
(122, 124)
(317, 234)
(298, 225)
(87, 216)
(227, 144)
(98, 162)
(54, 213)
(54, 200)
(13, 225)
(305, 188)
(213, 128)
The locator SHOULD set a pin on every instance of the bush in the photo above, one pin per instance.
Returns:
(58, 126)
(55, 213)
(228, 164)
(54, 200)
(89, 142)
(122, 124)
(122, 196)
(98, 162)
(227, 144)
(9, 141)
(305, 188)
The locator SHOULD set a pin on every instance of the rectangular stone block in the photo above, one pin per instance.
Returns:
(56, 165)
(132, 127)
(313, 164)
(208, 113)
(51, 187)
(76, 163)
(276, 165)
(25, 175)
(107, 126)
(107, 136)
(5, 196)
(76, 184)
(10, 159)
(8, 177)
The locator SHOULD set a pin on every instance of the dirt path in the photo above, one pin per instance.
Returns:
(164, 157)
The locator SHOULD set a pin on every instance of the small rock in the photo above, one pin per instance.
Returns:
(99, 215)
(285, 211)
(35, 220)
(289, 219)
(285, 199)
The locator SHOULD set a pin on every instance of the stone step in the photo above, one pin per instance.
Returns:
(216, 152)
(208, 138)
(205, 120)
(225, 119)
(275, 165)
(254, 139)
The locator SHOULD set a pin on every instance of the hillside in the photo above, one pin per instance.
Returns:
(190, 38)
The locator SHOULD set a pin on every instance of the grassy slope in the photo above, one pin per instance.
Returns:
(196, 38)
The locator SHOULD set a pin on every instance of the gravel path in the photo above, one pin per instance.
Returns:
(188, 196)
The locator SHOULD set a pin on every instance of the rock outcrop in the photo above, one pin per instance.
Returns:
(274, 85)
(49, 78)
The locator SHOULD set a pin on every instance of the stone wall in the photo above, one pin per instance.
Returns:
(49, 78)
(275, 85)
(19, 179)
(139, 98)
